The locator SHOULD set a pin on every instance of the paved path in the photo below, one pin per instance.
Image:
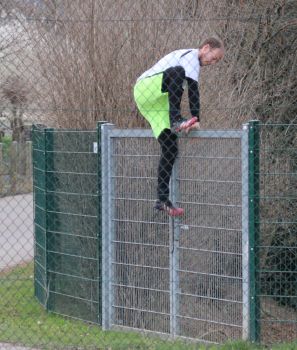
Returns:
(16, 238)
(16, 230)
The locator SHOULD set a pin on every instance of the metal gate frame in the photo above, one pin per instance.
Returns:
(249, 162)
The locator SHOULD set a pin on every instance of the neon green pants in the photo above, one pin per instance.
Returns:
(152, 103)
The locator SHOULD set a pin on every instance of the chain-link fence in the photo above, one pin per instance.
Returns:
(92, 260)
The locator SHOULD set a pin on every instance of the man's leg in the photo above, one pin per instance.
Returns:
(169, 151)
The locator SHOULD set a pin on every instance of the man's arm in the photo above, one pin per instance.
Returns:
(194, 97)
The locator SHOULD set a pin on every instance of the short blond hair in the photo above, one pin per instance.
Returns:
(214, 43)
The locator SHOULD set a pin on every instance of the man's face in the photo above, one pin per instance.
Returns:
(208, 56)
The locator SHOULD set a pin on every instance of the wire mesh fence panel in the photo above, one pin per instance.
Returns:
(277, 250)
(66, 222)
(210, 242)
(39, 184)
(139, 252)
(180, 277)
(185, 277)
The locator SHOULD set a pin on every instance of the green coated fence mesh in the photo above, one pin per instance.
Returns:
(67, 259)
(276, 249)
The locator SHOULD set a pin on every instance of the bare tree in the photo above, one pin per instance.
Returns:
(15, 92)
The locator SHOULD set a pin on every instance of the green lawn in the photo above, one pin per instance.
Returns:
(6, 142)
(24, 321)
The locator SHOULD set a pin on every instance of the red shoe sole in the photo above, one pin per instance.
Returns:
(187, 124)
(176, 212)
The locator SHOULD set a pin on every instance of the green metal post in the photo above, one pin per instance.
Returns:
(38, 156)
(48, 141)
(254, 161)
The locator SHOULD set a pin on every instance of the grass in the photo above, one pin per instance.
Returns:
(6, 141)
(24, 321)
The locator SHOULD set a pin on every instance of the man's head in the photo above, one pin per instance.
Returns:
(211, 51)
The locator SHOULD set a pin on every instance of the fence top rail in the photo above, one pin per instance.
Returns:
(236, 134)
(278, 124)
(69, 131)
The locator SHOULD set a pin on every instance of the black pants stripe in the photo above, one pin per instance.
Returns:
(169, 152)
(172, 83)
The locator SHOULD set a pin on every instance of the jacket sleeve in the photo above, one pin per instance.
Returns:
(194, 97)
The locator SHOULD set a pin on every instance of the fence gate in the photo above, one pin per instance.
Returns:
(183, 277)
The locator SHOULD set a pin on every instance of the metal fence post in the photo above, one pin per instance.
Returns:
(48, 140)
(107, 224)
(253, 194)
(245, 231)
(97, 149)
(174, 231)
(40, 208)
